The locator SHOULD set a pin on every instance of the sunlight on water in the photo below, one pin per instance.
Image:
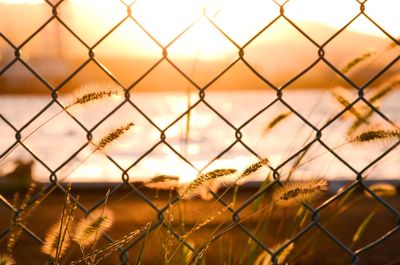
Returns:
(209, 137)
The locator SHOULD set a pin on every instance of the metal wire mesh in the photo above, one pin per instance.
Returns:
(202, 90)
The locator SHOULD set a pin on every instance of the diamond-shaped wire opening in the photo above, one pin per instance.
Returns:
(264, 133)
(19, 79)
(162, 161)
(131, 145)
(54, 53)
(163, 108)
(15, 24)
(320, 22)
(370, 219)
(61, 133)
(360, 61)
(317, 247)
(354, 151)
(91, 22)
(209, 135)
(168, 19)
(202, 52)
(248, 94)
(317, 95)
(128, 52)
(269, 53)
(241, 22)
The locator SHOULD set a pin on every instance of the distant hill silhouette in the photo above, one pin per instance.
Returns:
(277, 57)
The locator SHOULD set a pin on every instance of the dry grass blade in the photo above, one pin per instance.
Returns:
(265, 259)
(345, 103)
(206, 180)
(382, 92)
(359, 122)
(369, 136)
(112, 136)
(109, 249)
(350, 65)
(208, 220)
(297, 192)
(278, 119)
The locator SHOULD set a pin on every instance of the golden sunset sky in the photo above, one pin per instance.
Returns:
(240, 19)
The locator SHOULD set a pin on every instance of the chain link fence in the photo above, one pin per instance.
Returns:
(237, 130)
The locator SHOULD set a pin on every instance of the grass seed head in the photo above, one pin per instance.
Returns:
(212, 180)
(94, 92)
(350, 65)
(112, 136)
(52, 241)
(278, 119)
(163, 182)
(371, 135)
(297, 192)
(254, 167)
(93, 226)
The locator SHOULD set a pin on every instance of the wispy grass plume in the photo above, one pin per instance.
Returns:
(52, 243)
(278, 119)
(206, 180)
(296, 192)
(94, 92)
(93, 226)
(365, 117)
(378, 135)
(253, 168)
(112, 136)
(350, 65)
(345, 103)
(163, 182)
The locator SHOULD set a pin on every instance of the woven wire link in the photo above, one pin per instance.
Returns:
(202, 90)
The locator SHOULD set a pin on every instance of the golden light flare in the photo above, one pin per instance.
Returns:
(164, 20)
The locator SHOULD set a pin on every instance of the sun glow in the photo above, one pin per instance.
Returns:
(186, 28)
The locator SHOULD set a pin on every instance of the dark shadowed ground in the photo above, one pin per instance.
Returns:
(131, 212)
